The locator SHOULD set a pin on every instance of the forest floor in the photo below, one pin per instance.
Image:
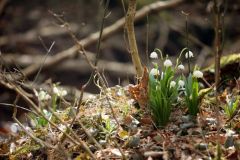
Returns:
(112, 125)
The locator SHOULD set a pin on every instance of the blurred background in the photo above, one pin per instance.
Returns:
(27, 28)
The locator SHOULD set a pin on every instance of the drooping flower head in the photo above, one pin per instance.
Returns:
(167, 63)
(154, 55)
(59, 91)
(181, 83)
(154, 72)
(189, 54)
(198, 74)
(172, 84)
(181, 67)
(42, 95)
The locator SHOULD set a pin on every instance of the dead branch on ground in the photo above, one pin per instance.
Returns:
(32, 35)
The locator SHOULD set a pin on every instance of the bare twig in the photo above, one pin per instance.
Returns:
(218, 19)
(43, 60)
(101, 32)
(187, 39)
(32, 35)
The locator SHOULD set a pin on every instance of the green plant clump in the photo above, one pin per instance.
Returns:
(162, 92)
(165, 88)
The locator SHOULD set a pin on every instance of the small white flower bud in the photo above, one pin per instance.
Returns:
(42, 95)
(167, 63)
(154, 55)
(59, 91)
(172, 84)
(181, 83)
(189, 54)
(154, 72)
(198, 74)
(181, 67)
(55, 90)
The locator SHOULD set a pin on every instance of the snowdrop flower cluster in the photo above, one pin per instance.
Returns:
(59, 91)
(163, 90)
(189, 54)
(167, 88)
(167, 63)
(154, 55)
(198, 74)
(42, 95)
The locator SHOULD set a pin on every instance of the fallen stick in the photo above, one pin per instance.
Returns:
(108, 31)
(78, 65)
(34, 34)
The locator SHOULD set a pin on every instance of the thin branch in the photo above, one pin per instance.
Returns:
(132, 38)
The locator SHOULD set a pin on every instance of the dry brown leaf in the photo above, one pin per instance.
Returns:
(139, 91)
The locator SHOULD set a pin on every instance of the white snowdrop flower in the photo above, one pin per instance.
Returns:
(14, 127)
(181, 83)
(167, 63)
(154, 72)
(190, 53)
(55, 90)
(154, 55)
(172, 84)
(198, 74)
(42, 95)
(230, 133)
(228, 100)
(59, 91)
(181, 67)
(64, 92)
(12, 147)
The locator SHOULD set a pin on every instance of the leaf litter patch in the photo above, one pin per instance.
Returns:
(130, 132)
